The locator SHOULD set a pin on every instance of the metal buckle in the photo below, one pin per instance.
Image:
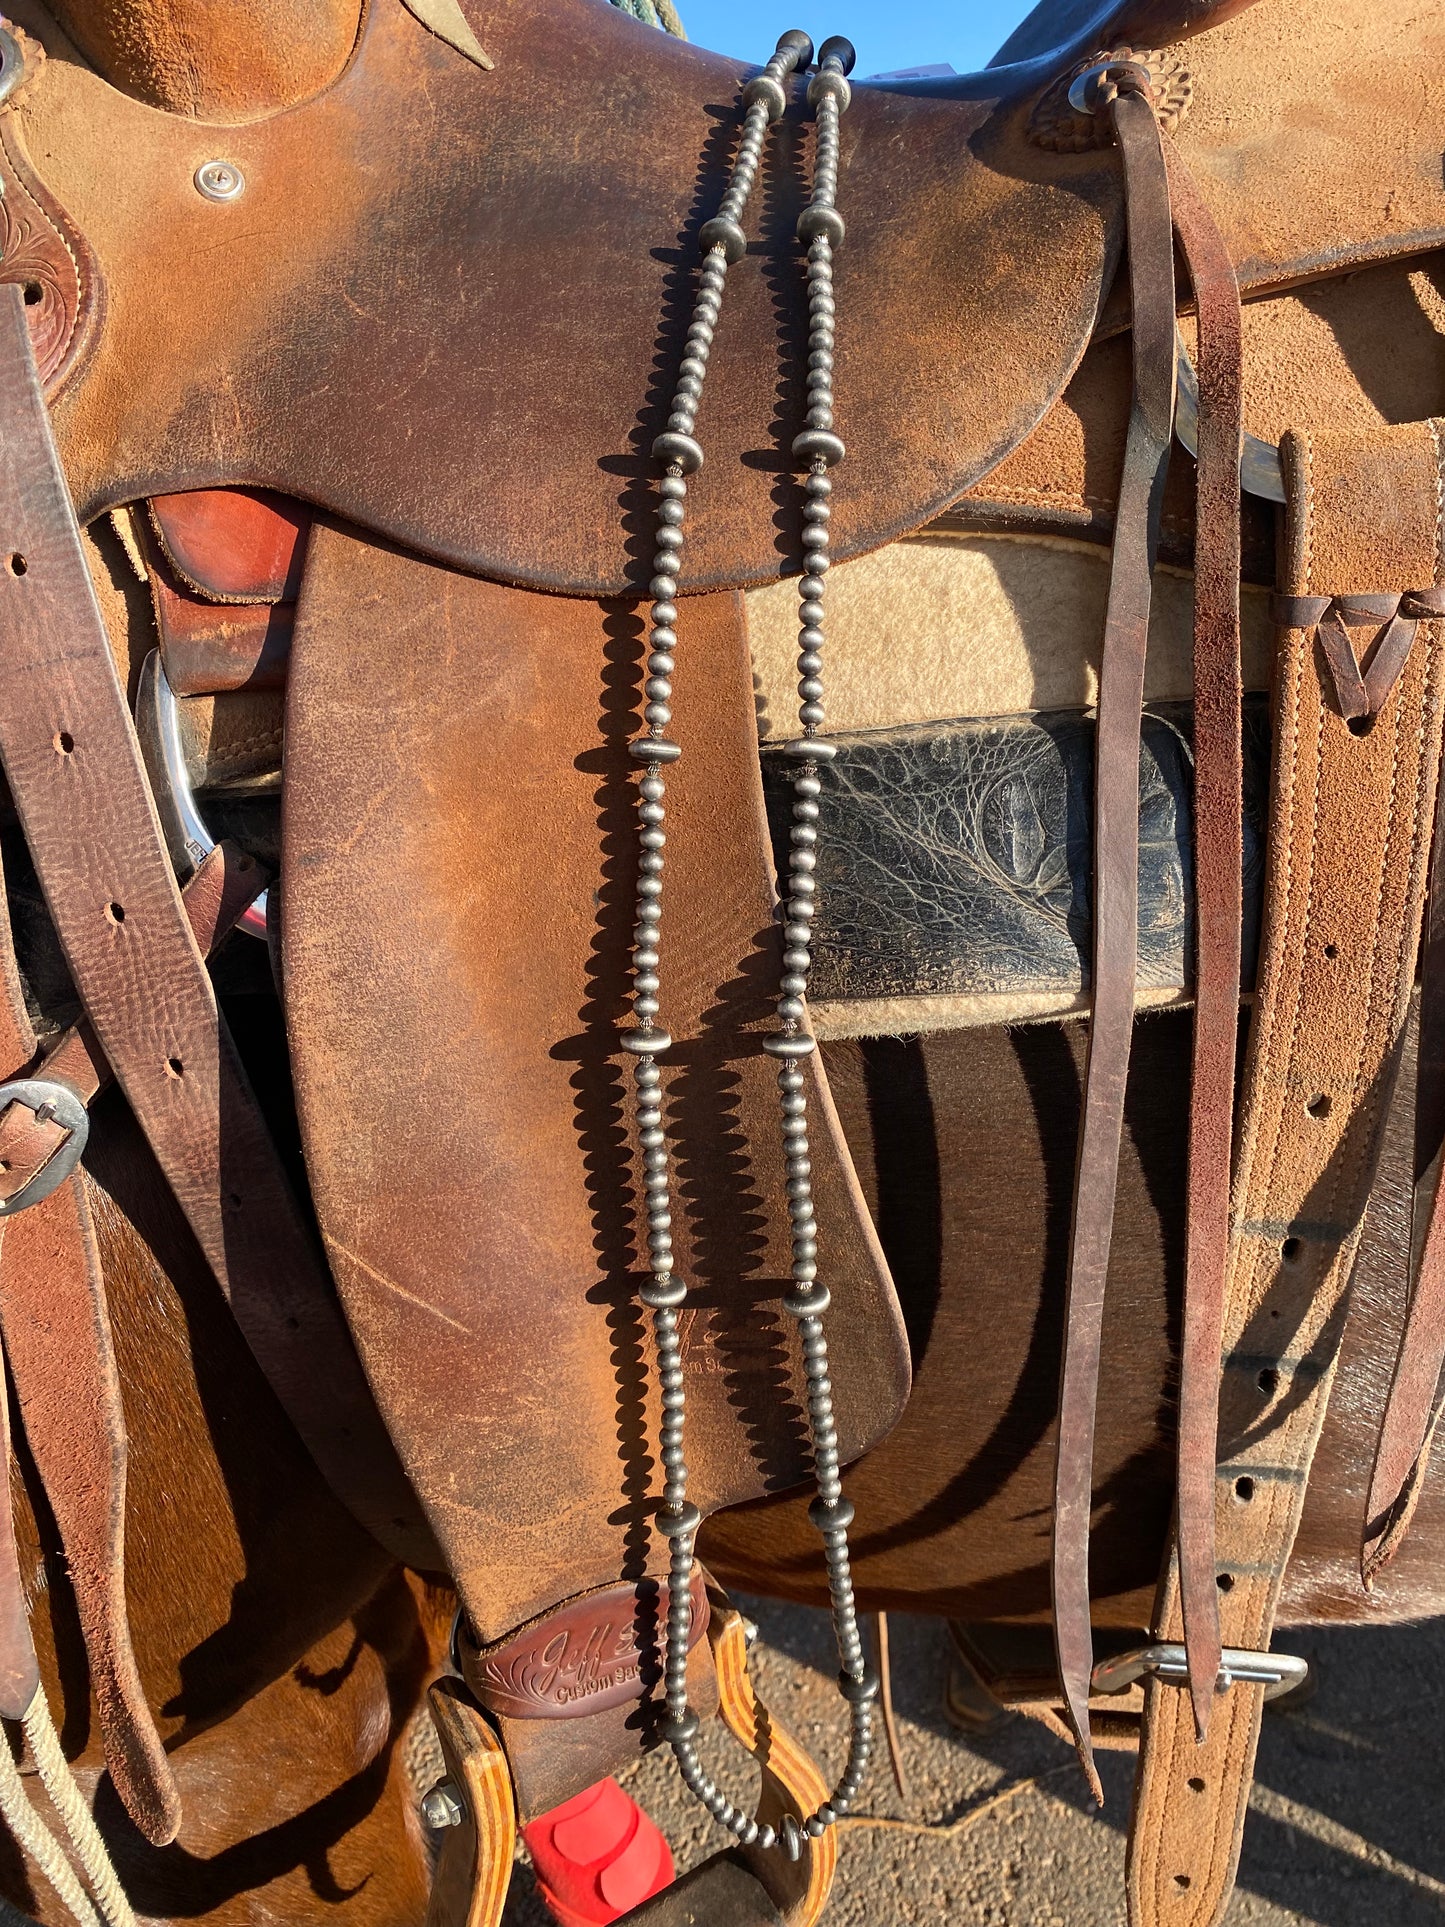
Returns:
(49, 1101)
(1277, 1673)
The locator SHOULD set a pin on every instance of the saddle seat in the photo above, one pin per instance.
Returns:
(396, 276)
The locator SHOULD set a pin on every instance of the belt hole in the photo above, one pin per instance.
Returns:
(1269, 1380)
(1319, 1105)
(1196, 1785)
(1181, 1881)
(1290, 1250)
(34, 294)
(63, 741)
(1332, 950)
(1244, 1489)
(1360, 725)
(18, 564)
(175, 1067)
(1225, 1581)
(116, 912)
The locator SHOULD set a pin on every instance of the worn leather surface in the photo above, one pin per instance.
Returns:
(953, 1507)
(74, 772)
(1219, 857)
(958, 856)
(505, 271)
(230, 63)
(1310, 354)
(234, 544)
(224, 567)
(1350, 827)
(456, 929)
(1115, 883)
(211, 647)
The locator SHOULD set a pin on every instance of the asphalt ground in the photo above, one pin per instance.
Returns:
(997, 1829)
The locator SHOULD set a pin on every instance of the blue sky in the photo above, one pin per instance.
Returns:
(887, 33)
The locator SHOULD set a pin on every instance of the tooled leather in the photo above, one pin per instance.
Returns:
(74, 770)
(958, 855)
(589, 1654)
(44, 254)
(1349, 842)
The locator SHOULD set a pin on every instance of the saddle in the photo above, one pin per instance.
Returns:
(383, 454)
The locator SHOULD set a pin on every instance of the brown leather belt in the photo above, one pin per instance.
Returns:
(74, 770)
(1348, 848)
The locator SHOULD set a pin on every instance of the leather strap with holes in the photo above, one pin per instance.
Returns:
(73, 765)
(1349, 844)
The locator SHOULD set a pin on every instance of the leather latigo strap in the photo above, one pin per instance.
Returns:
(1218, 898)
(1348, 849)
(1116, 888)
(1360, 690)
(458, 901)
(53, 1309)
(74, 770)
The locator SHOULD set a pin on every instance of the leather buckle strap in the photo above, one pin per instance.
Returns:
(75, 774)
(1349, 845)
(1360, 691)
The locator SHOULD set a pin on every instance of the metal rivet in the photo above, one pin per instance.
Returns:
(220, 180)
(441, 1807)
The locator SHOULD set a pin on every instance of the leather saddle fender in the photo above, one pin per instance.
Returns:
(457, 929)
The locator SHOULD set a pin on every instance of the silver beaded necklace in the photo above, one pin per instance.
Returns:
(815, 450)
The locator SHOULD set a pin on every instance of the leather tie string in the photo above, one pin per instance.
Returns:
(1116, 876)
(1360, 691)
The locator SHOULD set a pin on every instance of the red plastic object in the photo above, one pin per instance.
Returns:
(597, 1856)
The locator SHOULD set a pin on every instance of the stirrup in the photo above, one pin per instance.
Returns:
(473, 1809)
